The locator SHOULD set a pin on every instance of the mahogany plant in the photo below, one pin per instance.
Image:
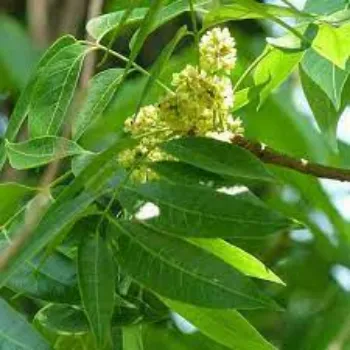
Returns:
(164, 214)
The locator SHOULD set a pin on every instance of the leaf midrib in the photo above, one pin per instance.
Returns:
(226, 168)
(199, 213)
(177, 267)
(99, 103)
(63, 88)
(13, 341)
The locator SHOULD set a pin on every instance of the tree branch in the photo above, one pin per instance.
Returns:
(38, 21)
(270, 156)
(94, 10)
(71, 16)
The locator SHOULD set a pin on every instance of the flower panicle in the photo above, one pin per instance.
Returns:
(200, 105)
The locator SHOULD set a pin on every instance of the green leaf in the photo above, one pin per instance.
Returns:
(71, 319)
(62, 318)
(243, 10)
(325, 6)
(22, 106)
(120, 27)
(97, 285)
(98, 27)
(180, 270)
(144, 30)
(54, 90)
(333, 43)
(161, 61)
(201, 212)
(292, 43)
(140, 36)
(177, 8)
(65, 326)
(16, 332)
(322, 107)
(170, 338)
(13, 197)
(237, 258)
(69, 205)
(326, 75)
(273, 69)
(132, 338)
(101, 91)
(218, 157)
(178, 172)
(54, 280)
(40, 151)
(338, 18)
(344, 151)
(227, 327)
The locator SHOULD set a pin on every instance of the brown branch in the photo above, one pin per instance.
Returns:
(41, 202)
(94, 10)
(71, 16)
(33, 215)
(270, 156)
(38, 21)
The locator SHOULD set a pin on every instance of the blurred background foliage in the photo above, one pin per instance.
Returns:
(314, 261)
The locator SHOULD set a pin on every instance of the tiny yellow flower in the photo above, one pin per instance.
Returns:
(217, 50)
(200, 104)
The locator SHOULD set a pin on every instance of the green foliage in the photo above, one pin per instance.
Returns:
(202, 212)
(237, 258)
(54, 89)
(325, 113)
(273, 68)
(236, 334)
(100, 26)
(104, 260)
(326, 75)
(332, 43)
(207, 281)
(59, 318)
(97, 284)
(16, 333)
(13, 195)
(52, 279)
(100, 93)
(162, 60)
(21, 109)
(40, 151)
(242, 10)
(218, 157)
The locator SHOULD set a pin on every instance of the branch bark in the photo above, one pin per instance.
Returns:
(270, 156)
(38, 20)
(94, 10)
(72, 15)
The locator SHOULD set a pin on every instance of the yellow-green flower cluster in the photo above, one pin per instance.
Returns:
(217, 50)
(145, 127)
(200, 104)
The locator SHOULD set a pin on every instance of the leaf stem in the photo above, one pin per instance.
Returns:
(60, 179)
(250, 69)
(13, 217)
(119, 187)
(126, 60)
(289, 28)
(117, 30)
(289, 4)
(195, 28)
